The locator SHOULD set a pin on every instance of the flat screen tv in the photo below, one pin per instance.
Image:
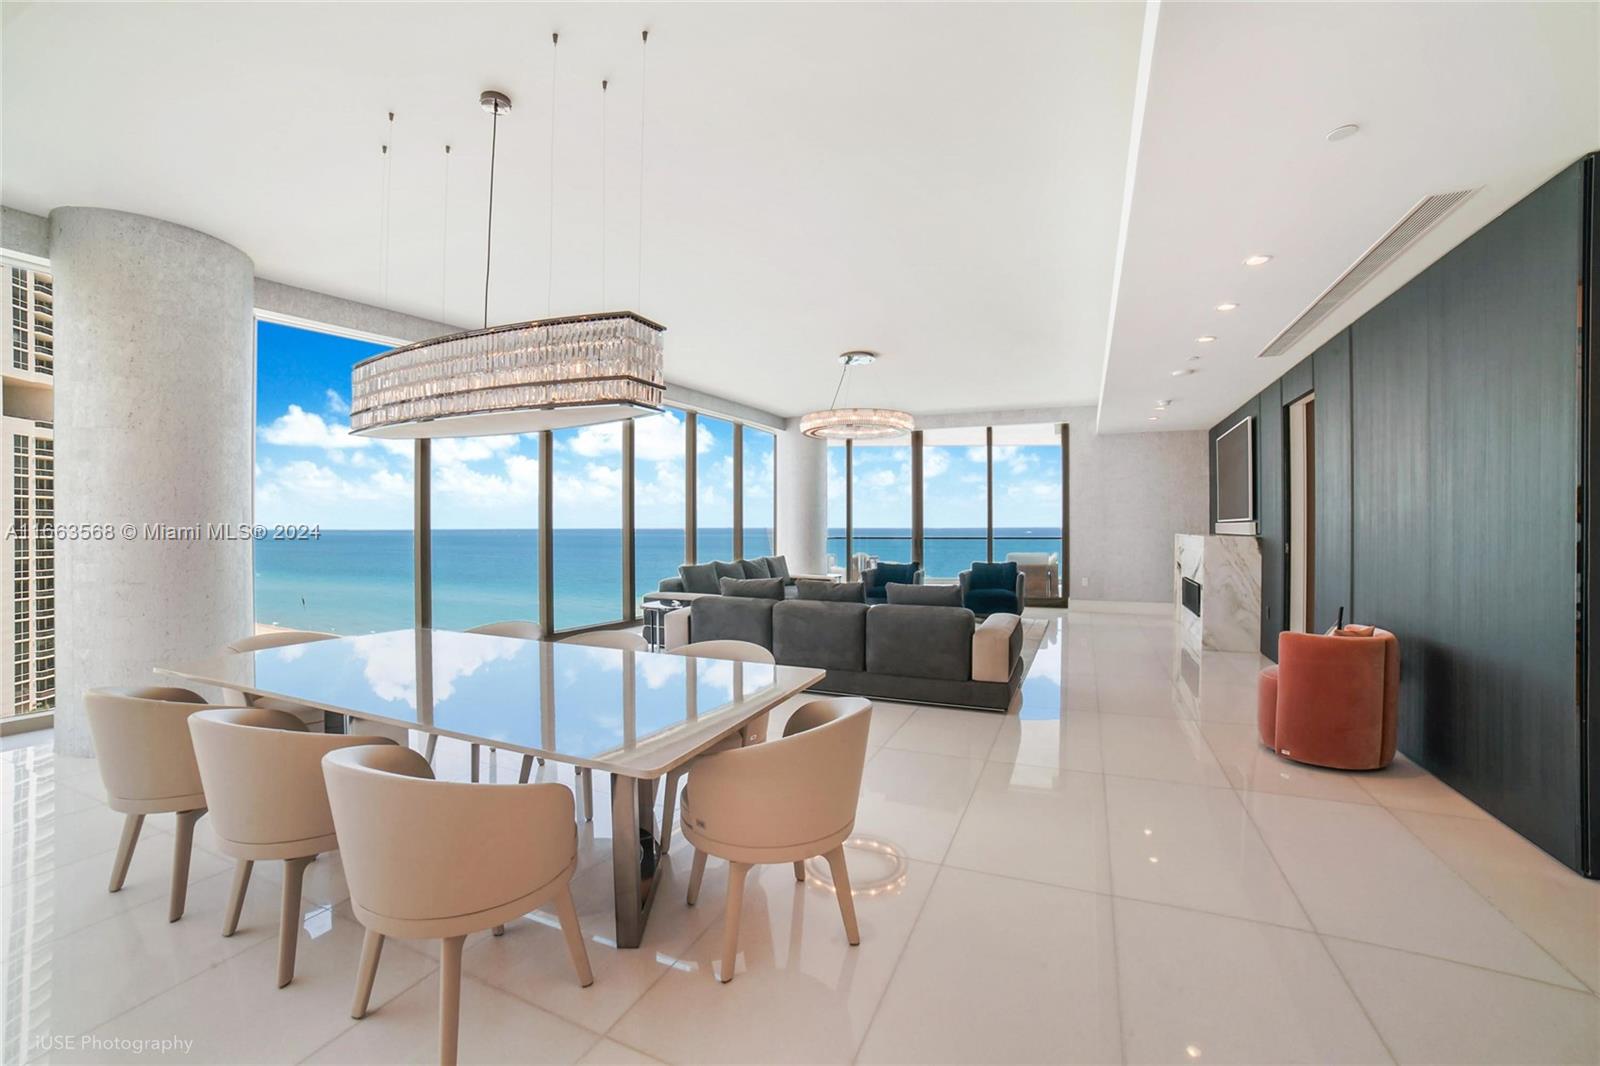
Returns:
(1236, 476)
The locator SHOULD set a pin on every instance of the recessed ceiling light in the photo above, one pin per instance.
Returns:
(1339, 133)
(1227, 307)
(1205, 340)
(1153, 418)
(1257, 260)
(1181, 371)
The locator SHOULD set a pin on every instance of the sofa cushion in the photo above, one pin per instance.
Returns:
(988, 601)
(754, 568)
(992, 647)
(698, 578)
(824, 636)
(758, 588)
(831, 591)
(728, 570)
(912, 641)
(994, 576)
(777, 566)
(925, 595)
(732, 618)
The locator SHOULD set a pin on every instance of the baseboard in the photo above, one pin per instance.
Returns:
(1121, 607)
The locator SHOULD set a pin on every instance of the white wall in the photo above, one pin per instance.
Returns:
(1131, 492)
(803, 502)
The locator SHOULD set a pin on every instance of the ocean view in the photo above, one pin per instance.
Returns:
(359, 581)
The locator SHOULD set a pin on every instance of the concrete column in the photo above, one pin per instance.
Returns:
(153, 404)
(803, 502)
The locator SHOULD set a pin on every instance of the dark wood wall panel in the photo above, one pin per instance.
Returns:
(1501, 723)
(1331, 454)
(1296, 382)
(1271, 513)
(1391, 531)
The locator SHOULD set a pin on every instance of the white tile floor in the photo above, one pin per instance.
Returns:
(1113, 872)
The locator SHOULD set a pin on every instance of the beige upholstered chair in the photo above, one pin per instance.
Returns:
(414, 874)
(784, 801)
(283, 638)
(519, 630)
(739, 651)
(512, 628)
(268, 802)
(146, 761)
(621, 639)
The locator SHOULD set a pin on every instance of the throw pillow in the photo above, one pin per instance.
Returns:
(755, 568)
(777, 566)
(925, 595)
(701, 578)
(832, 591)
(755, 588)
(733, 570)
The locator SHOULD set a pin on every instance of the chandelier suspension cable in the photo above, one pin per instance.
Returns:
(604, 83)
(444, 239)
(550, 231)
(843, 370)
(383, 212)
(488, 237)
(644, 66)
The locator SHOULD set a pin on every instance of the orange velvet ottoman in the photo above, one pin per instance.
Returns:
(1333, 699)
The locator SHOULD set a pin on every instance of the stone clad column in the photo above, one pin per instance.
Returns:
(803, 502)
(153, 409)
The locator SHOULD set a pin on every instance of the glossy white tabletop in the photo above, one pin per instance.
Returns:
(638, 714)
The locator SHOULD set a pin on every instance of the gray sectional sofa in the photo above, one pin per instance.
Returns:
(914, 654)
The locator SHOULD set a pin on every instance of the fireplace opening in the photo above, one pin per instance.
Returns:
(1191, 597)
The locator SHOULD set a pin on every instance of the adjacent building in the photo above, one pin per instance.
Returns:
(26, 409)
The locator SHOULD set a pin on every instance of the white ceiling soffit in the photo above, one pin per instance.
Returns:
(1233, 161)
(934, 182)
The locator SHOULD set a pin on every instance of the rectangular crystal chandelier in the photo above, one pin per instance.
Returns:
(518, 378)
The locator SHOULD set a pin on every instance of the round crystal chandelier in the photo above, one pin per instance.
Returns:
(855, 423)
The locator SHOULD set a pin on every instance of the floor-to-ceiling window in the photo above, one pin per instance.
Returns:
(586, 525)
(337, 554)
(759, 478)
(955, 500)
(660, 445)
(881, 499)
(485, 511)
(714, 476)
(1027, 501)
(984, 494)
(838, 505)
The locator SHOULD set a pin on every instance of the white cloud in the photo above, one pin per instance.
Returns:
(298, 428)
(470, 449)
(935, 461)
(336, 403)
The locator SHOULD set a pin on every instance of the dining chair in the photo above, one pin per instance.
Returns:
(414, 874)
(268, 802)
(740, 651)
(280, 638)
(512, 627)
(786, 800)
(147, 764)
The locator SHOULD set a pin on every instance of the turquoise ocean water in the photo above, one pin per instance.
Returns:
(359, 581)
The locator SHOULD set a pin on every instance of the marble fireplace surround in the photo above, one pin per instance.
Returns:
(1228, 571)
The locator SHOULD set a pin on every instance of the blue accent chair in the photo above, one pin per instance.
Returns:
(993, 588)
(876, 580)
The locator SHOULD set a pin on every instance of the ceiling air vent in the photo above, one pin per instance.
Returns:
(1417, 221)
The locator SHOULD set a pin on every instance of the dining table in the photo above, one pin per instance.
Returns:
(635, 716)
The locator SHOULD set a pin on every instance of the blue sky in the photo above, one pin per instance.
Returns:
(310, 470)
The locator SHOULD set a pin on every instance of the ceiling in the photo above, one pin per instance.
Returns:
(929, 181)
(1233, 161)
(946, 184)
